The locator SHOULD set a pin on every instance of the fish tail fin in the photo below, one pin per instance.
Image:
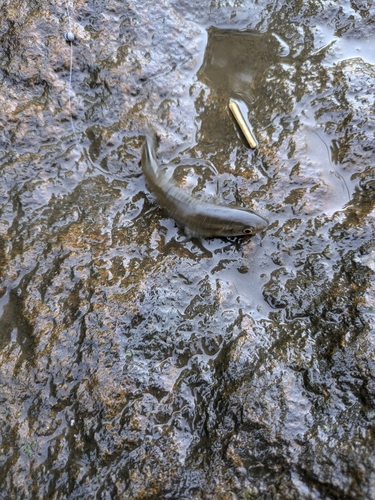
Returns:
(149, 161)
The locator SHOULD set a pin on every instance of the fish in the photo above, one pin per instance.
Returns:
(198, 219)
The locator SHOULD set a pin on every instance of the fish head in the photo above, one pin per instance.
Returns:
(244, 222)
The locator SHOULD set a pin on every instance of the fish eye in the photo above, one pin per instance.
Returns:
(248, 230)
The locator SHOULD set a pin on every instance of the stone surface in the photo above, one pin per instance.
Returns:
(134, 362)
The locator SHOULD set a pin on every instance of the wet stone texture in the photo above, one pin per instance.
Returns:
(136, 362)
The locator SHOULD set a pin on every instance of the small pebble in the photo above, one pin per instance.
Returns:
(69, 37)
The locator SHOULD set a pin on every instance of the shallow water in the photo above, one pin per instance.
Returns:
(136, 362)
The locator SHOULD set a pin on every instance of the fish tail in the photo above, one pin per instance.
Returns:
(149, 162)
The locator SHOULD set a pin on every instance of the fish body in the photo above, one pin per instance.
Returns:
(197, 218)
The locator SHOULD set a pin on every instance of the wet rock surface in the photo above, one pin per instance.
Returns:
(136, 362)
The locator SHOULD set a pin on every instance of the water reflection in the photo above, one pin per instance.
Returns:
(233, 59)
